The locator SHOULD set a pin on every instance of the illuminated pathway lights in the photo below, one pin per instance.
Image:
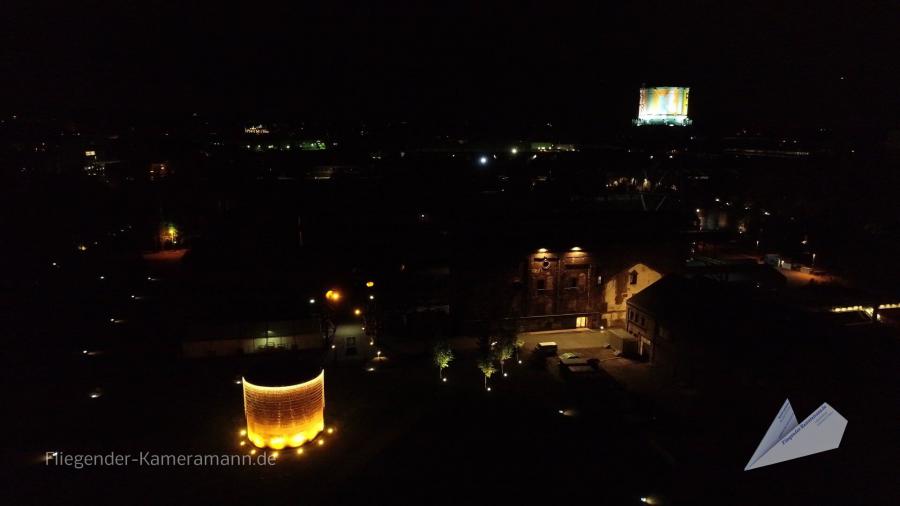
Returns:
(284, 416)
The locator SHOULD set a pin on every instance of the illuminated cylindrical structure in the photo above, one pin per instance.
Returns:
(284, 415)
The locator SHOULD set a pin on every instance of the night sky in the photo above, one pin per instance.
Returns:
(760, 63)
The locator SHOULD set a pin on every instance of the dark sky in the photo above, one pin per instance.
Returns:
(763, 62)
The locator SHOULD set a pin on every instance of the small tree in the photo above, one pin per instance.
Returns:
(519, 344)
(486, 364)
(442, 355)
(505, 352)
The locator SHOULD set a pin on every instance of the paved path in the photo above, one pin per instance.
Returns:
(566, 340)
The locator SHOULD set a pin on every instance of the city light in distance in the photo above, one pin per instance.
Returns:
(357, 311)
(542, 250)
(312, 301)
(333, 295)
(576, 248)
(483, 160)
(514, 151)
(371, 284)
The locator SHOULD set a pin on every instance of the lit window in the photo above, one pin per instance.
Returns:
(633, 277)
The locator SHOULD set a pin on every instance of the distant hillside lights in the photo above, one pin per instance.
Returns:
(302, 145)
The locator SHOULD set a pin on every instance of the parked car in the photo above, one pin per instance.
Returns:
(570, 359)
(546, 348)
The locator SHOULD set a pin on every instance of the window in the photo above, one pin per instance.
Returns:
(581, 322)
(632, 277)
(642, 321)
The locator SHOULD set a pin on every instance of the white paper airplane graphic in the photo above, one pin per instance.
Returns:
(787, 440)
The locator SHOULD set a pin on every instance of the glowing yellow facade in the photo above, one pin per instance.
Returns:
(664, 105)
(285, 416)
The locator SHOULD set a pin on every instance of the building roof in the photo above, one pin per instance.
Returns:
(710, 308)
(669, 296)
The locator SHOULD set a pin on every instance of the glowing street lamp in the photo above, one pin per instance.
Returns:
(333, 295)
(483, 160)
(357, 311)
(370, 284)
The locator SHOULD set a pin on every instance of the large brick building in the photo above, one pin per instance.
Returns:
(562, 290)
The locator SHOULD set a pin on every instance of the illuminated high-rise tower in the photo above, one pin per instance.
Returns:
(663, 105)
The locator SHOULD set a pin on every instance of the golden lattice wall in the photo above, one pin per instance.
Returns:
(285, 416)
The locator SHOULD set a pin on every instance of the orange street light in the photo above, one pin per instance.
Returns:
(357, 311)
(370, 284)
(333, 295)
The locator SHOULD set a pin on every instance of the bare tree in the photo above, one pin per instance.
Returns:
(486, 364)
(505, 351)
(442, 355)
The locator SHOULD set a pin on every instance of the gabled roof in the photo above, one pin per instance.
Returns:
(669, 296)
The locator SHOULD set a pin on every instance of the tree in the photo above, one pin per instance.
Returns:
(505, 352)
(442, 355)
(519, 344)
(486, 364)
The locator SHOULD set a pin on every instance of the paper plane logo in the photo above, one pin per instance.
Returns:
(786, 439)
